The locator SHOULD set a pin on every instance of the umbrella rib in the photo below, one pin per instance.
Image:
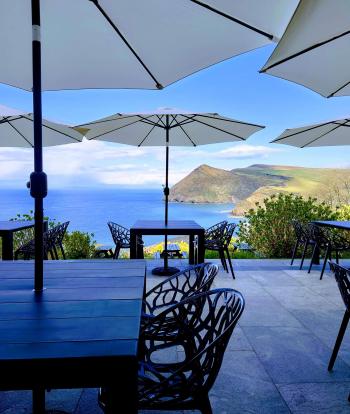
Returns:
(187, 135)
(132, 50)
(325, 133)
(160, 119)
(54, 129)
(301, 52)
(148, 121)
(11, 117)
(217, 128)
(301, 132)
(104, 120)
(339, 89)
(230, 120)
(148, 133)
(20, 133)
(116, 129)
(227, 16)
(190, 120)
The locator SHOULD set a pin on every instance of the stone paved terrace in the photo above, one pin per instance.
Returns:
(276, 362)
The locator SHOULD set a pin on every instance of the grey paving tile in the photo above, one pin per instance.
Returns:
(280, 278)
(317, 398)
(15, 402)
(266, 311)
(88, 402)
(293, 355)
(243, 386)
(65, 400)
(238, 341)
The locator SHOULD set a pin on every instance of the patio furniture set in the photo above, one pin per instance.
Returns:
(216, 238)
(97, 326)
(324, 235)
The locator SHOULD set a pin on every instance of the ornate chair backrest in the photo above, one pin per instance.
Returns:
(59, 232)
(318, 234)
(120, 234)
(299, 230)
(342, 276)
(192, 280)
(228, 233)
(216, 231)
(210, 319)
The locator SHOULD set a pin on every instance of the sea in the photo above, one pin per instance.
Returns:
(89, 210)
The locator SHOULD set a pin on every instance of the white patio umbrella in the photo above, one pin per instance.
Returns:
(314, 50)
(331, 133)
(122, 44)
(17, 131)
(168, 127)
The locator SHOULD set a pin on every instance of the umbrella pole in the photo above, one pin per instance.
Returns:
(38, 181)
(166, 270)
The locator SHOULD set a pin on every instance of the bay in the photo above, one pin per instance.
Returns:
(89, 210)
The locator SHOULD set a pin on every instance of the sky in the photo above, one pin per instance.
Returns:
(233, 88)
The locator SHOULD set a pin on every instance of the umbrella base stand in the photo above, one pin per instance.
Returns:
(165, 271)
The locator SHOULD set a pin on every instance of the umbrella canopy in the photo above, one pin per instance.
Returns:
(17, 131)
(330, 133)
(313, 51)
(132, 43)
(168, 128)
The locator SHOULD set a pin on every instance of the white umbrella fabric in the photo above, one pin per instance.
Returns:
(332, 133)
(121, 44)
(17, 131)
(314, 50)
(168, 128)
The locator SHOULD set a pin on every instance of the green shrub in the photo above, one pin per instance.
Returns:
(79, 245)
(268, 229)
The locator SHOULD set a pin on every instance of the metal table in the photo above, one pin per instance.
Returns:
(7, 228)
(343, 225)
(81, 331)
(174, 228)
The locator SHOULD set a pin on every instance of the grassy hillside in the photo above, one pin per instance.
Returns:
(246, 186)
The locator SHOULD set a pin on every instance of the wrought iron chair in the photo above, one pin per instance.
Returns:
(212, 235)
(121, 238)
(190, 281)
(342, 276)
(205, 323)
(329, 241)
(219, 240)
(58, 234)
(27, 250)
(303, 239)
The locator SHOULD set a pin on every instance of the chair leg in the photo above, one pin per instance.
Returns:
(312, 258)
(339, 339)
(55, 253)
(295, 249)
(62, 251)
(204, 405)
(223, 259)
(229, 262)
(327, 255)
(337, 256)
(304, 254)
(116, 252)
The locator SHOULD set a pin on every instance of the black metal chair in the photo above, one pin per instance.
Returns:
(121, 238)
(342, 276)
(330, 241)
(205, 323)
(302, 240)
(27, 250)
(218, 239)
(192, 280)
(59, 232)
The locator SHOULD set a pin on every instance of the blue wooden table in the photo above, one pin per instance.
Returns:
(81, 331)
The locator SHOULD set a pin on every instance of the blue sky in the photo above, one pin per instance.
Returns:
(233, 88)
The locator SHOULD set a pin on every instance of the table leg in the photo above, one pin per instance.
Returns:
(7, 246)
(124, 400)
(201, 249)
(133, 244)
(316, 260)
(191, 259)
(38, 400)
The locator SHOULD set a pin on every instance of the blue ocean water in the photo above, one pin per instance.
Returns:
(90, 210)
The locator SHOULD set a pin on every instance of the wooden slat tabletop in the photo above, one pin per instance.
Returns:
(89, 309)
